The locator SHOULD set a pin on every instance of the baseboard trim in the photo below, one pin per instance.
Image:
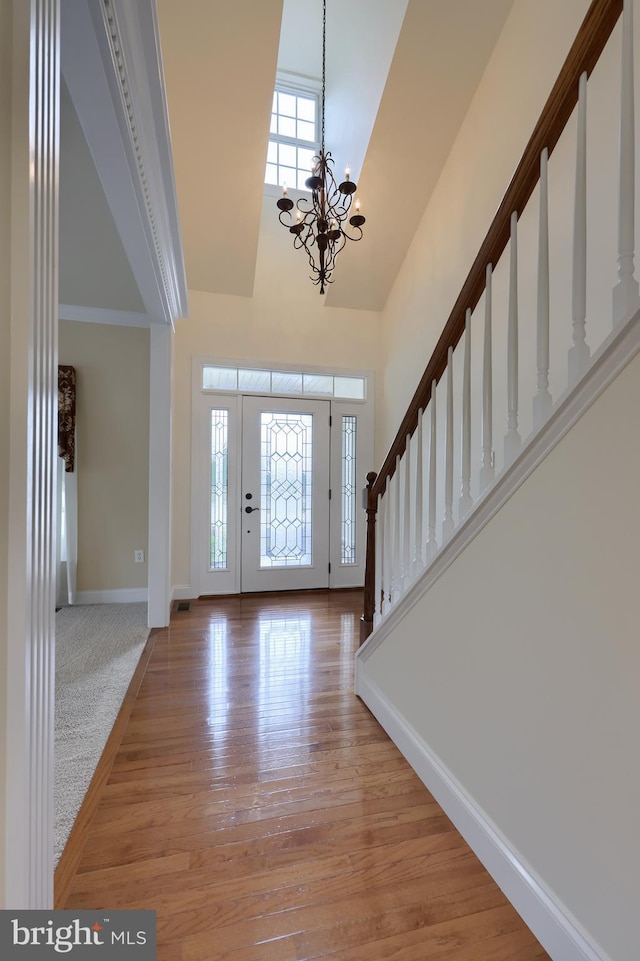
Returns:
(554, 926)
(182, 592)
(123, 595)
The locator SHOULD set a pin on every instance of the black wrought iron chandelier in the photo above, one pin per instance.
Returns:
(319, 225)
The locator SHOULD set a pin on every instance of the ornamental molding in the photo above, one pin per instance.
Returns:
(132, 35)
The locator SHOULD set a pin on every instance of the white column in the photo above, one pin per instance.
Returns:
(432, 544)
(465, 502)
(447, 521)
(29, 120)
(159, 543)
(512, 438)
(626, 298)
(580, 353)
(418, 562)
(542, 402)
(487, 469)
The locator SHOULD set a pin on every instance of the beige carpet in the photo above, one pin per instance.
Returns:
(97, 649)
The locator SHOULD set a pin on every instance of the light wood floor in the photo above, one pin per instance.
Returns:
(260, 809)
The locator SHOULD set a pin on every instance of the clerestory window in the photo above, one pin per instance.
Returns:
(293, 140)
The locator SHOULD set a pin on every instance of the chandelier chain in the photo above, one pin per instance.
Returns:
(324, 63)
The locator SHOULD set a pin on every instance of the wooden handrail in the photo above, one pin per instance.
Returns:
(585, 52)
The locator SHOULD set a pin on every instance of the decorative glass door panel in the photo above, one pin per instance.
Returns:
(219, 491)
(285, 494)
(286, 489)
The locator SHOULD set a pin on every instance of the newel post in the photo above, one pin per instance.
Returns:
(371, 507)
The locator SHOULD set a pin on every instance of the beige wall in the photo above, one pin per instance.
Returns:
(284, 322)
(112, 365)
(527, 691)
(5, 328)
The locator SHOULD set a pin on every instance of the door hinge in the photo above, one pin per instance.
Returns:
(329, 566)
(329, 493)
(330, 421)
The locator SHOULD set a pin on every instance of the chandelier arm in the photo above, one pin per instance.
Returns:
(354, 239)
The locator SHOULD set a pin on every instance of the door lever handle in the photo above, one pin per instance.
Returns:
(249, 510)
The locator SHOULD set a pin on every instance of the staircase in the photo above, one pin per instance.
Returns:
(500, 622)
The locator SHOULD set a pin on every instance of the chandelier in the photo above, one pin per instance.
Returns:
(319, 225)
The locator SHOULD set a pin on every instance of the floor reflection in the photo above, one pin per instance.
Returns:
(284, 673)
(217, 670)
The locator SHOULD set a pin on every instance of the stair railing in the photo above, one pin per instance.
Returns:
(400, 500)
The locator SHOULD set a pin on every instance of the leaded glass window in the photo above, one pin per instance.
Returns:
(348, 490)
(286, 447)
(219, 493)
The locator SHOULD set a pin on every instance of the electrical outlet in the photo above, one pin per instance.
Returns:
(138, 557)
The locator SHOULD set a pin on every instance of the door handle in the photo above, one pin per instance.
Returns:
(249, 510)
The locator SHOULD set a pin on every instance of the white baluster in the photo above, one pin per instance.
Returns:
(387, 549)
(377, 590)
(397, 526)
(447, 522)
(406, 535)
(432, 544)
(626, 298)
(465, 502)
(512, 438)
(393, 574)
(542, 402)
(417, 556)
(580, 352)
(487, 469)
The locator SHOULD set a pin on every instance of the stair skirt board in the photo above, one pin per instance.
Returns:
(553, 925)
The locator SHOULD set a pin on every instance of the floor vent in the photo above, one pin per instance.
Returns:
(181, 607)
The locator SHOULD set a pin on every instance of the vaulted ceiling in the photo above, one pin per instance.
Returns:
(400, 77)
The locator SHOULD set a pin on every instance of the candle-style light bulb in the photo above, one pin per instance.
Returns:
(357, 206)
(347, 173)
(284, 190)
(299, 216)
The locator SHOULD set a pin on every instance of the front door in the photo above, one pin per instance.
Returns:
(276, 492)
(284, 494)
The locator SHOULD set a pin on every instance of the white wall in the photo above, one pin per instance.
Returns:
(5, 329)
(284, 322)
(519, 669)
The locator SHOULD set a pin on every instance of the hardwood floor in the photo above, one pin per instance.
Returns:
(259, 808)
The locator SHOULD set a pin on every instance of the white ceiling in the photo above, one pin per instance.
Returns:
(400, 78)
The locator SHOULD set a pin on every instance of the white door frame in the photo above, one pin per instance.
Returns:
(159, 539)
(341, 575)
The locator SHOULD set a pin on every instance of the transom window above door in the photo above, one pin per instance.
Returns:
(248, 380)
